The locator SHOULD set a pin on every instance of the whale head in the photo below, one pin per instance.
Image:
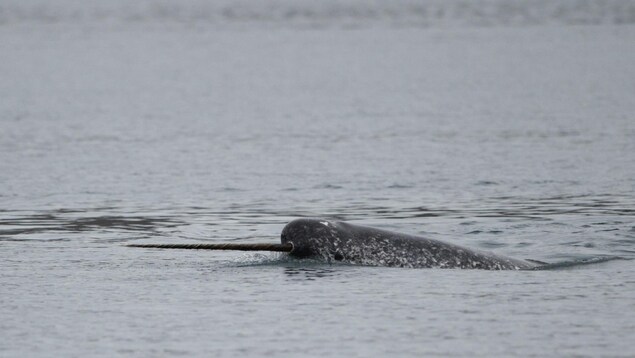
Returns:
(312, 237)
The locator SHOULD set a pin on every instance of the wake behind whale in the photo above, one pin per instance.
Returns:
(355, 244)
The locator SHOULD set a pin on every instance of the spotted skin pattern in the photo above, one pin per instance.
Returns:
(341, 241)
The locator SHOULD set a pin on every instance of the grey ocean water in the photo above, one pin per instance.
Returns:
(500, 125)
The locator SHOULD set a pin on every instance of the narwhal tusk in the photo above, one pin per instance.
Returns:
(288, 247)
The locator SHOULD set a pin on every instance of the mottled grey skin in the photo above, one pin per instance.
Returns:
(341, 241)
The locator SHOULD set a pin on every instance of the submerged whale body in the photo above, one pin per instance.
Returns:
(341, 241)
(354, 244)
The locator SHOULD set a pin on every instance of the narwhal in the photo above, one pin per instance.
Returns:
(355, 244)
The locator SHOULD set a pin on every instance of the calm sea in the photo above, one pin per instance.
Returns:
(500, 125)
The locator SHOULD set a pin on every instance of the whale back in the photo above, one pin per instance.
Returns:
(340, 241)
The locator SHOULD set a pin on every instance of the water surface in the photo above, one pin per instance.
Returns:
(501, 128)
